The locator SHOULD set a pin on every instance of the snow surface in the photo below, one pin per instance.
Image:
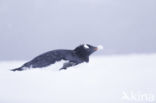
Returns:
(103, 80)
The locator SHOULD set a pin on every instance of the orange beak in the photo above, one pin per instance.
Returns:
(96, 49)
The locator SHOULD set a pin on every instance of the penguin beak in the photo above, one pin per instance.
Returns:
(96, 48)
(99, 47)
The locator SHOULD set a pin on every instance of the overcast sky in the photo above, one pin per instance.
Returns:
(31, 27)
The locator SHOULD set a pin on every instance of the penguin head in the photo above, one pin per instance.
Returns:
(86, 49)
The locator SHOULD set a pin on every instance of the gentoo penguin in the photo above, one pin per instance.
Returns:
(73, 57)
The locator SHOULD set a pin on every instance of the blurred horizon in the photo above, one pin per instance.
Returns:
(31, 27)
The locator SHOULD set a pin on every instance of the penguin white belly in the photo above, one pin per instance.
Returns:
(56, 66)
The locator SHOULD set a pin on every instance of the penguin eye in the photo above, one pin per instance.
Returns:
(86, 46)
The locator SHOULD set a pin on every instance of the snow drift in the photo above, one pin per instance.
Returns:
(103, 80)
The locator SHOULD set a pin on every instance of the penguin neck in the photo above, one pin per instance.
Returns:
(84, 56)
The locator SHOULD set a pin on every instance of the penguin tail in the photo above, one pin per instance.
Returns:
(17, 69)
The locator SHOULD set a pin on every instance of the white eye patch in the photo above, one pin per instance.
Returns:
(86, 46)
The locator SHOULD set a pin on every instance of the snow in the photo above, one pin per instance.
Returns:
(102, 80)
(100, 47)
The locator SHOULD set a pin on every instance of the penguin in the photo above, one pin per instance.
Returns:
(72, 57)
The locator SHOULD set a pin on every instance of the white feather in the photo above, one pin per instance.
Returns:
(86, 46)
